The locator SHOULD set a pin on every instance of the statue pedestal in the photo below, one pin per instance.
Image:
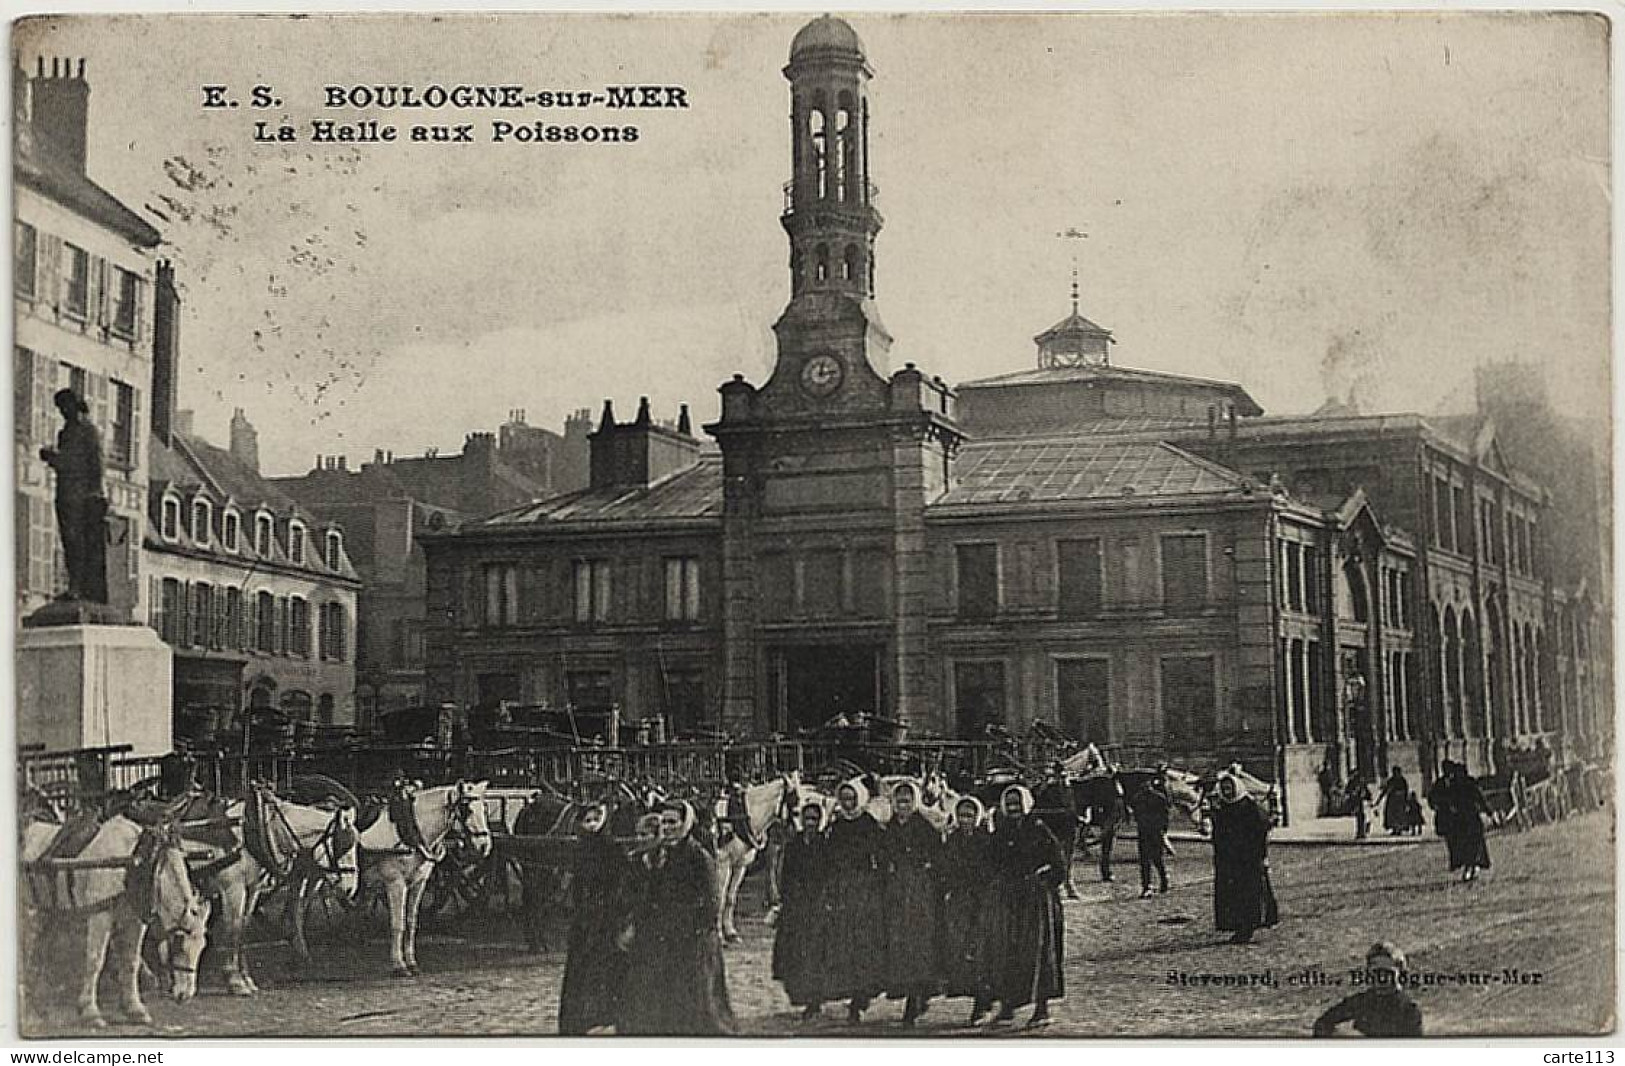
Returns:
(93, 686)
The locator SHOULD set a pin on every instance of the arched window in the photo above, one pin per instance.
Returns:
(821, 269)
(1354, 593)
(264, 534)
(230, 530)
(843, 151)
(1472, 676)
(296, 543)
(202, 513)
(324, 708)
(817, 137)
(1452, 673)
(335, 550)
(171, 519)
(852, 266)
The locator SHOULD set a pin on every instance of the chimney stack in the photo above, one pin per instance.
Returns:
(166, 320)
(245, 441)
(61, 110)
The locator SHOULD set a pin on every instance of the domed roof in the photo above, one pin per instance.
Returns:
(826, 34)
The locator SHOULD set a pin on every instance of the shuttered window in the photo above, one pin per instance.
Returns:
(593, 593)
(1080, 577)
(25, 259)
(977, 571)
(1188, 704)
(1184, 573)
(682, 590)
(126, 303)
(1083, 699)
(75, 281)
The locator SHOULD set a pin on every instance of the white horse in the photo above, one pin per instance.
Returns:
(327, 856)
(127, 879)
(402, 866)
(765, 804)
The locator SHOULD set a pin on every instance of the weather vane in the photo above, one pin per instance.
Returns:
(1073, 233)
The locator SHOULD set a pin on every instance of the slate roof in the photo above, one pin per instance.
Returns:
(1040, 469)
(38, 164)
(1073, 323)
(1065, 374)
(694, 493)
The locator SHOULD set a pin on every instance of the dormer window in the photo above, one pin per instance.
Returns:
(335, 549)
(202, 513)
(264, 533)
(296, 543)
(230, 527)
(171, 518)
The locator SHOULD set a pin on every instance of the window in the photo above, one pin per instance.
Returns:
(1188, 703)
(25, 256)
(170, 526)
(821, 583)
(230, 526)
(1083, 699)
(682, 692)
(682, 590)
(174, 612)
(121, 446)
(202, 512)
(265, 624)
(778, 585)
(299, 627)
(1462, 516)
(202, 615)
(1443, 534)
(1079, 577)
(126, 303)
(296, 543)
(1293, 575)
(590, 690)
(979, 697)
(333, 635)
(234, 618)
(264, 534)
(1311, 579)
(76, 275)
(1184, 573)
(501, 594)
(592, 590)
(335, 550)
(977, 570)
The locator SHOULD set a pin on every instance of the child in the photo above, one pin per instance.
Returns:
(1382, 1009)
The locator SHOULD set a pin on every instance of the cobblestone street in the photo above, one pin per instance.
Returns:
(1532, 940)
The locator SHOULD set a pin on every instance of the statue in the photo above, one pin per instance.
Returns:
(81, 508)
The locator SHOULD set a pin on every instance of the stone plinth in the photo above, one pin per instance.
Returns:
(91, 686)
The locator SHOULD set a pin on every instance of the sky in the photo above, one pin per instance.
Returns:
(1316, 206)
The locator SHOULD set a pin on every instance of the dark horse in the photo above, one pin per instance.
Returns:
(1099, 799)
(544, 882)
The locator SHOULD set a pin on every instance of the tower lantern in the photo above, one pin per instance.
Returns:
(829, 210)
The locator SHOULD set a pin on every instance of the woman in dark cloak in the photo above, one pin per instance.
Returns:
(594, 969)
(1395, 796)
(1458, 802)
(1027, 875)
(803, 931)
(1243, 899)
(676, 984)
(968, 940)
(856, 956)
(911, 849)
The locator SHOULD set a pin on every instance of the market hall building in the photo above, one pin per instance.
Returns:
(1138, 558)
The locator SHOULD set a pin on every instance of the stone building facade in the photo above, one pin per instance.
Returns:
(88, 297)
(1138, 558)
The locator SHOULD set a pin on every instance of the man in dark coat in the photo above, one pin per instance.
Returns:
(594, 967)
(910, 850)
(1027, 906)
(969, 941)
(803, 930)
(1243, 899)
(857, 941)
(676, 984)
(1150, 806)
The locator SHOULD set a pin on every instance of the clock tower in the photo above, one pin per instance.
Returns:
(828, 466)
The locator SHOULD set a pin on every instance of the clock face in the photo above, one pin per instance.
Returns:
(821, 375)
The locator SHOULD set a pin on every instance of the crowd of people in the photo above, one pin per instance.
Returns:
(907, 912)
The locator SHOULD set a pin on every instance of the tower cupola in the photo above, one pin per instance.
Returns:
(1074, 340)
(829, 203)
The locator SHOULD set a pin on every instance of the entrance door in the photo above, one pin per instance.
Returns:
(816, 682)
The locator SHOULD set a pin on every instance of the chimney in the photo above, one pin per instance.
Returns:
(684, 426)
(637, 452)
(166, 322)
(61, 110)
(245, 441)
(344, 463)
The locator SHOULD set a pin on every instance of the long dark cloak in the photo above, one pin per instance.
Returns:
(1027, 865)
(594, 967)
(911, 849)
(1243, 899)
(676, 984)
(800, 943)
(857, 940)
(968, 943)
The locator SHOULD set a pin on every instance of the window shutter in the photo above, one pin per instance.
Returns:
(251, 621)
(155, 603)
(219, 637)
(51, 271)
(96, 298)
(280, 636)
(183, 624)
